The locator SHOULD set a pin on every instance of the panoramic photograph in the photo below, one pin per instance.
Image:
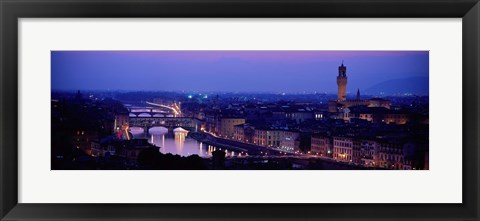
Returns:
(239, 110)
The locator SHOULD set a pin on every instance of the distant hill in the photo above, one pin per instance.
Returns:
(412, 85)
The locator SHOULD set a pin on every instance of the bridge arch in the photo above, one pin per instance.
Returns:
(136, 130)
(191, 124)
(144, 115)
(158, 129)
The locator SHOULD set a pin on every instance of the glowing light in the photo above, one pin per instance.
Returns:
(175, 109)
(126, 133)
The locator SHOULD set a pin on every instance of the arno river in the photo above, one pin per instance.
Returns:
(176, 143)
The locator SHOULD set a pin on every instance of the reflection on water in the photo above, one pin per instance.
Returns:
(178, 143)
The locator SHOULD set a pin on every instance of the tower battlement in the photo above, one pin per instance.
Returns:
(342, 80)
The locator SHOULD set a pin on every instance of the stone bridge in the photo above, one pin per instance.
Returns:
(188, 123)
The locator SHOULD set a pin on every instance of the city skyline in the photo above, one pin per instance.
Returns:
(273, 122)
(248, 71)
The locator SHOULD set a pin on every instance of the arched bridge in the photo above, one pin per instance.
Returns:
(150, 109)
(148, 112)
(191, 124)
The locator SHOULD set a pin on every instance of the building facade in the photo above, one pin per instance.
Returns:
(390, 155)
(343, 149)
(277, 138)
(321, 145)
(225, 126)
(368, 153)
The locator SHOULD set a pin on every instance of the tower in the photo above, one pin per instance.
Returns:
(342, 83)
(358, 94)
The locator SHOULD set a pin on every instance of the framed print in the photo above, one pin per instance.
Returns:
(239, 110)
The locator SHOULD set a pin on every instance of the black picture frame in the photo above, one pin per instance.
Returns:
(12, 10)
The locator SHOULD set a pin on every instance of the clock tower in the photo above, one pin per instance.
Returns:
(342, 83)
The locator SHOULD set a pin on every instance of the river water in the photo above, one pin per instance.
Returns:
(176, 143)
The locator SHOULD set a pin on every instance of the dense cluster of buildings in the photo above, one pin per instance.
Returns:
(370, 132)
(377, 152)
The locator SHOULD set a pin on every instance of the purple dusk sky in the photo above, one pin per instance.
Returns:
(234, 71)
